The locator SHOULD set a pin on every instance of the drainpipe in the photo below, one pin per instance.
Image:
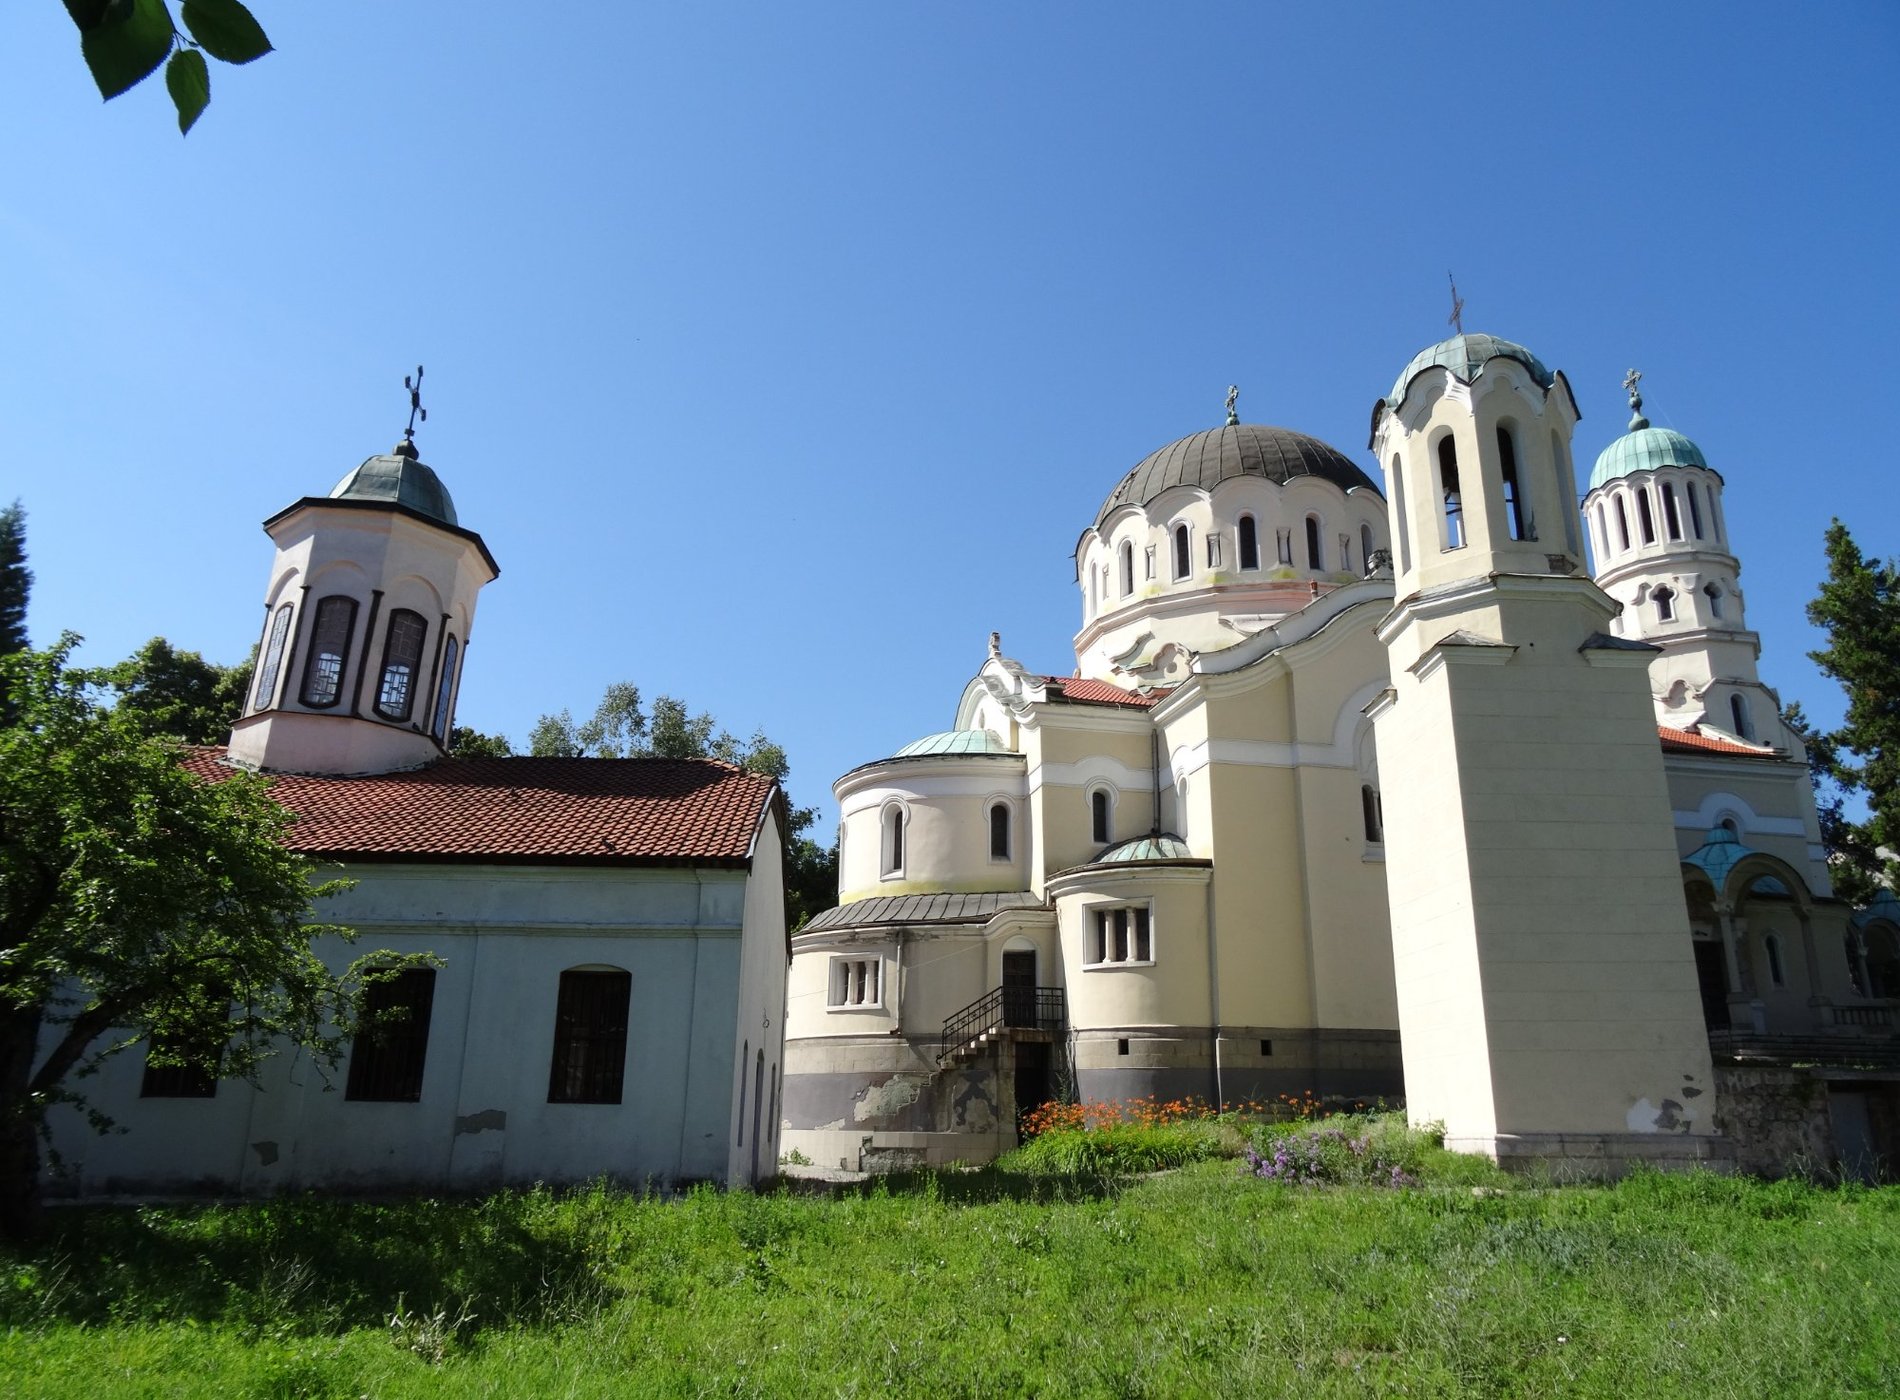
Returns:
(1213, 997)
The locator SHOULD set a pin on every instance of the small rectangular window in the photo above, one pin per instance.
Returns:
(1266, 1047)
(1121, 1045)
(387, 1059)
(856, 983)
(590, 1037)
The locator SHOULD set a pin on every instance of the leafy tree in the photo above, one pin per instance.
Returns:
(620, 728)
(472, 743)
(138, 903)
(16, 580)
(163, 691)
(124, 41)
(1859, 606)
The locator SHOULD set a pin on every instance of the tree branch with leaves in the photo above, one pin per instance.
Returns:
(125, 41)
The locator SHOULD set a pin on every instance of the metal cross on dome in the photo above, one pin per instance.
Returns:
(414, 386)
(1233, 397)
(1630, 381)
(1457, 318)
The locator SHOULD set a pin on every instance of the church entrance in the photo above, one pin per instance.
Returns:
(1711, 973)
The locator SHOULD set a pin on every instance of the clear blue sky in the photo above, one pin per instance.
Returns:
(780, 352)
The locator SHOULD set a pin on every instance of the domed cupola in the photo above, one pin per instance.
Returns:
(1654, 513)
(1213, 537)
(1475, 441)
(366, 621)
(399, 478)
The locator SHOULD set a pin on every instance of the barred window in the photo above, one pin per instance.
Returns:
(273, 661)
(590, 1036)
(175, 1081)
(329, 651)
(387, 1059)
(402, 658)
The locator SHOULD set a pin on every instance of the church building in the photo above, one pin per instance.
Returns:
(610, 933)
(1366, 782)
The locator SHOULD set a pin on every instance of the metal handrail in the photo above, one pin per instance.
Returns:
(1022, 1008)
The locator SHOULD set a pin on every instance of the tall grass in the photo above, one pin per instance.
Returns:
(1001, 1282)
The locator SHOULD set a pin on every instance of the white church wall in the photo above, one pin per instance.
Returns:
(752, 1125)
(483, 1118)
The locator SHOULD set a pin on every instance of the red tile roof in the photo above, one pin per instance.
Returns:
(1080, 692)
(1690, 741)
(594, 811)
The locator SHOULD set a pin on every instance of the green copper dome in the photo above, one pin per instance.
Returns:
(1156, 845)
(1643, 449)
(954, 741)
(400, 479)
(1466, 357)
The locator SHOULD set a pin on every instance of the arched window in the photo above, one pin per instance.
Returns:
(1516, 518)
(1738, 711)
(1314, 560)
(1128, 568)
(1665, 604)
(1672, 513)
(1645, 517)
(444, 693)
(590, 1036)
(1365, 547)
(1454, 504)
(1771, 948)
(329, 650)
(402, 658)
(893, 862)
(1695, 511)
(999, 831)
(1714, 595)
(1183, 556)
(1399, 514)
(1100, 807)
(1622, 525)
(273, 661)
(1249, 543)
(1373, 812)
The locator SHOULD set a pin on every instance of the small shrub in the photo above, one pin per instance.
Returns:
(1119, 1148)
(1356, 1150)
(793, 1158)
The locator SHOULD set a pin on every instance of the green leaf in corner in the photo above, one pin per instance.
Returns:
(227, 30)
(127, 44)
(188, 80)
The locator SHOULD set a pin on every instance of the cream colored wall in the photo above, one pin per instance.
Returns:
(1556, 864)
(946, 801)
(1073, 755)
(1174, 989)
(1188, 611)
(323, 551)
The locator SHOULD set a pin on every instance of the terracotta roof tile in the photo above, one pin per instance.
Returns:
(1691, 741)
(1077, 691)
(601, 811)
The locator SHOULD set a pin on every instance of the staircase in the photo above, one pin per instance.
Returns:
(1015, 1013)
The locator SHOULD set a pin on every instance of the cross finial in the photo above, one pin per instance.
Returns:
(414, 386)
(1457, 318)
(1233, 397)
(1630, 381)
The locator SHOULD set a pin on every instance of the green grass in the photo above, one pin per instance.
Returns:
(1008, 1281)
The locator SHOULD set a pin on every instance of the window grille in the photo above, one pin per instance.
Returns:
(329, 651)
(590, 1037)
(402, 657)
(387, 1058)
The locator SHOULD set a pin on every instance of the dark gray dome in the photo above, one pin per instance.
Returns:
(1239, 449)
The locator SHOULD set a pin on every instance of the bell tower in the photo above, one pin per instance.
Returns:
(1548, 1004)
(366, 621)
(1660, 540)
